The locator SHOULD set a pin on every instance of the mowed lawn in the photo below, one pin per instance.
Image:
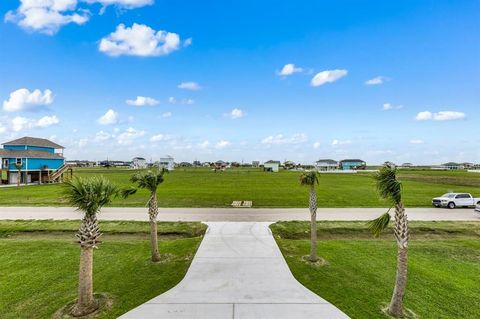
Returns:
(39, 264)
(205, 188)
(443, 270)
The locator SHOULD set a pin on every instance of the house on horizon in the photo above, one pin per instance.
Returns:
(167, 162)
(326, 165)
(31, 160)
(139, 163)
(452, 166)
(271, 166)
(352, 164)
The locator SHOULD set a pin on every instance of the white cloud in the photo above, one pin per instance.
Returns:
(159, 138)
(47, 121)
(416, 142)
(20, 123)
(46, 16)
(102, 136)
(279, 139)
(23, 99)
(440, 116)
(129, 136)
(193, 86)
(327, 76)
(125, 4)
(187, 42)
(173, 100)
(167, 114)
(234, 114)
(139, 40)
(110, 117)
(203, 145)
(142, 101)
(316, 145)
(289, 69)
(340, 142)
(222, 144)
(376, 80)
(389, 106)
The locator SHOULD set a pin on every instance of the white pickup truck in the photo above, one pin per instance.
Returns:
(452, 200)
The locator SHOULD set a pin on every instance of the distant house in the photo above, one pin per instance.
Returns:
(407, 165)
(39, 160)
(81, 163)
(391, 164)
(289, 165)
(468, 165)
(326, 165)
(352, 164)
(271, 166)
(139, 163)
(167, 162)
(452, 166)
(220, 165)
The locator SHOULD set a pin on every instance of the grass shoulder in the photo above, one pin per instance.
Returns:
(43, 269)
(359, 271)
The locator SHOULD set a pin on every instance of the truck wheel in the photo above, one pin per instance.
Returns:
(451, 205)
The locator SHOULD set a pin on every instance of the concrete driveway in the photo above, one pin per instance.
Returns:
(238, 272)
(236, 214)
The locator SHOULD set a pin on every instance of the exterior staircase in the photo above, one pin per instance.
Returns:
(57, 175)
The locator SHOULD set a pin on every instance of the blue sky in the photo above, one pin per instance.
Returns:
(210, 81)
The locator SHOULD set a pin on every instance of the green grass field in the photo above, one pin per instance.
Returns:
(443, 272)
(204, 188)
(39, 264)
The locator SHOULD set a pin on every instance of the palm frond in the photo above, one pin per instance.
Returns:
(379, 224)
(89, 194)
(309, 178)
(150, 179)
(126, 192)
(387, 184)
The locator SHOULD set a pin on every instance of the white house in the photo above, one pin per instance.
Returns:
(326, 165)
(139, 163)
(271, 166)
(167, 162)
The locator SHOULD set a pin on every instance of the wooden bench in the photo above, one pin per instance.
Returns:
(239, 203)
(247, 203)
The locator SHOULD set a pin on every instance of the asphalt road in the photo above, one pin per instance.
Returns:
(237, 214)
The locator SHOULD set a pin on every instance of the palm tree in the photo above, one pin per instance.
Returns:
(391, 189)
(310, 178)
(18, 166)
(149, 180)
(89, 195)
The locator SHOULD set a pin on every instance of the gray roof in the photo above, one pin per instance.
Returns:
(351, 160)
(272, 162)
(329, 161)
(28, 154)
(34, 141)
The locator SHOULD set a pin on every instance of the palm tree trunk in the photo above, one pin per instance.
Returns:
(153, 212)
(88, 235)
(85, 303)
(401, 234)
(19, 178)
(313, 224)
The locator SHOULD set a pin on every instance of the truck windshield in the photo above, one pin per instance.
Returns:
(448, 195)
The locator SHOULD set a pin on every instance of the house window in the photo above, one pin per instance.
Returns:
(5, 163)
(19, 161)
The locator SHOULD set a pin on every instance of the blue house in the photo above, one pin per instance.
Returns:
(41, 161)
(352, 164)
